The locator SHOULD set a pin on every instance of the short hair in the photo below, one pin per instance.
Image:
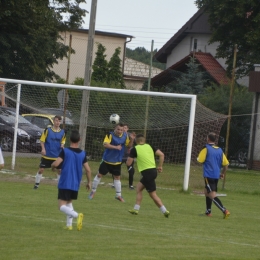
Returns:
(120, 124)
(125, 124)
(140, 138)
(212, 137)
(74, 136)
(58, 117)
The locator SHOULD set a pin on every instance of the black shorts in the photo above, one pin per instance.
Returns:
(46, 163)
(148, 179)
(211, 184)
(104, 168)
(67, 195)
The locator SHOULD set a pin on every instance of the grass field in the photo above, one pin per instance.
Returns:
(32, 225)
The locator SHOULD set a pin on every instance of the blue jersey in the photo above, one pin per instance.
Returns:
(52, 142)
(113, 156)
(213, 159)
(71, 171)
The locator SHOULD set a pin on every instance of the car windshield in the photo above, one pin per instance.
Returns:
(10, 118)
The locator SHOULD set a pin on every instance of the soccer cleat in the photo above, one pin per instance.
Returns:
(133, 211)
(226, 214)
(208, 214)
(166, 213)
(91, 195)
(79, 221)
(113, 186)
(35, 187)
(131, 188)
(120, 198)
(68, 228)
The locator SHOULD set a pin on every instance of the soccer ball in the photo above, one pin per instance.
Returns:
(114, 119)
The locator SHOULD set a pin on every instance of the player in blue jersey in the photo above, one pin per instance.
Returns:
(114, 143)
(213, 159)
(52, 141)
(72, 159)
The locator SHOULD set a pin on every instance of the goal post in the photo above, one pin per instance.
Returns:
(176, 123)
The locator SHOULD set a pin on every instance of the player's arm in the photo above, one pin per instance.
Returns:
(63, 141)
(131, 157)
(202, 155)
(130, 140)
(225, 164)
(42, 141)
(88, 175)
(161, 159)
(107, 143)
(55, 164)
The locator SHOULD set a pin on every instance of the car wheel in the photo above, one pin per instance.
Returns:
(6, 143)
(242, 156)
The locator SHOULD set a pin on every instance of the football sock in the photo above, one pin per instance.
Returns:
(95, 183)
(208, 204)
(218, 203)
(117, 184)
(131, 172)
(69, 218)
(68, 211)
(163, 209)
(137, 207)
(38, 178)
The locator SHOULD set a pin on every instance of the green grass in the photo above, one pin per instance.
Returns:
(32, 225)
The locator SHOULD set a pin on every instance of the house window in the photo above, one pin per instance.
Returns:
(194, 44)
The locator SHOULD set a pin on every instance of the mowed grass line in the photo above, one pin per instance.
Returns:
(32, 226)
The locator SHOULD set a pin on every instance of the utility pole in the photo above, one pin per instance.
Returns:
(87, 77)
(230, 106)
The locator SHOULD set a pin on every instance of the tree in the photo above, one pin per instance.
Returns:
(235, 22)
(144, 56)
(114, 73)
(190, 82)
(100, 65)
(30, 41)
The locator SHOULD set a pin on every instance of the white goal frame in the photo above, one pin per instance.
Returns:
(193, 99)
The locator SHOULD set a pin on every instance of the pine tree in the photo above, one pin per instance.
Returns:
(114, 74)
(99, 66)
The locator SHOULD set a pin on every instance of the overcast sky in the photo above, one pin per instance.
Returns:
(146, 20)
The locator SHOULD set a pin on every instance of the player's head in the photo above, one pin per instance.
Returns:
(119, 129)
(75, 136)
(140, 139)
(212, 137)
(126, 128)
(57, 120)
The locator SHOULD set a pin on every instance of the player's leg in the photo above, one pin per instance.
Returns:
(131, 172)
(139, 198)
(103, 170)
(44, 163)
(116, 171)
(207, 191)
(212, 194)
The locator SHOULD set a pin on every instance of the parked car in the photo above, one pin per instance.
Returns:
(237, 149)
(57, 111)
(45, 120)
(28, 135)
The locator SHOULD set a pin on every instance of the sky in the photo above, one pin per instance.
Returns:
(146, 20)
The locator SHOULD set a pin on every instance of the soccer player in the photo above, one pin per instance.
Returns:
(114, 143)
(213, 159)
(145, 157)
(72, 159)
(52, 141)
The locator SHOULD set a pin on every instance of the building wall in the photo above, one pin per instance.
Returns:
(78, 59)
(186, 46)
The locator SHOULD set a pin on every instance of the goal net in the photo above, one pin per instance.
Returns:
(174, 123)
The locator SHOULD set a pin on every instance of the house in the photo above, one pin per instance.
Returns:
(192, 39)
(136, 73)
(79, 42)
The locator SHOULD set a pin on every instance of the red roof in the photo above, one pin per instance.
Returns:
(211, 65)
(206, 60)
